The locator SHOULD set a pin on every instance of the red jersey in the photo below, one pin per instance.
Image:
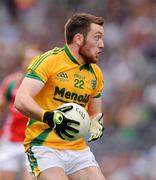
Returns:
(15, 124)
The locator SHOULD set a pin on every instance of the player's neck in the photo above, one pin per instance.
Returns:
(74, 49)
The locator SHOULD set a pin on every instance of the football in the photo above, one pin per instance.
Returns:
(79, 114)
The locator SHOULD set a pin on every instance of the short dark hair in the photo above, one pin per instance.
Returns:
(80, 23)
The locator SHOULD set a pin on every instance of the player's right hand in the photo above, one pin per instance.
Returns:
(60, 123)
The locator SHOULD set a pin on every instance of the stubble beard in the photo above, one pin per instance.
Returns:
(83, 52)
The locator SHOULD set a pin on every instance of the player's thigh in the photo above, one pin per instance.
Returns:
(7, 175)
(53, 174)
(89, 173)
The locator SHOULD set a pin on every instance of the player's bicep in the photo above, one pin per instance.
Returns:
(30, 87)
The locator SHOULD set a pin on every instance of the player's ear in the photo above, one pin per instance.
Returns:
(79, 39)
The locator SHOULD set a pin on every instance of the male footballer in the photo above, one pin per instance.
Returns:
(62, 75)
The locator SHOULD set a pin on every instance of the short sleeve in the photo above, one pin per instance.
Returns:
(41, 67)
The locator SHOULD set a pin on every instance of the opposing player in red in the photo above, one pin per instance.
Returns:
(12, 156)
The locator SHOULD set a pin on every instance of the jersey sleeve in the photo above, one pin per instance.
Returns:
(41, 67)
(99, 84)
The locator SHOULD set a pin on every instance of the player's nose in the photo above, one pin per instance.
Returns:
(101, 44)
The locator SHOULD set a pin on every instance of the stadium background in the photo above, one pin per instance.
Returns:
(127, 151)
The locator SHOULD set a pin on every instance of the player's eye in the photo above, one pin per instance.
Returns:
(97, 37)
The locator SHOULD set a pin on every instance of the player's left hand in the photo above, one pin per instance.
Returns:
(96, 127)
(61, 124)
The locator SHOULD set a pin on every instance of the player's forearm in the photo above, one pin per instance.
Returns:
(94, 107)
(27, 106)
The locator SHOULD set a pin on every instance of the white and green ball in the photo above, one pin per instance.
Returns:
(78, 113)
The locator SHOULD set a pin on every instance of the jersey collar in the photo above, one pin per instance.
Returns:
(87, 67)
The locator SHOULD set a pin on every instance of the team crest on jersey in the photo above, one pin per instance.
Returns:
(62, 76)
(93, 84)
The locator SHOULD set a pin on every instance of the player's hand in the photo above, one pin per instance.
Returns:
(96, 128)
(60, 123)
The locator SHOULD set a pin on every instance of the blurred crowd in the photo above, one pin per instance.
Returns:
(127, 151)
